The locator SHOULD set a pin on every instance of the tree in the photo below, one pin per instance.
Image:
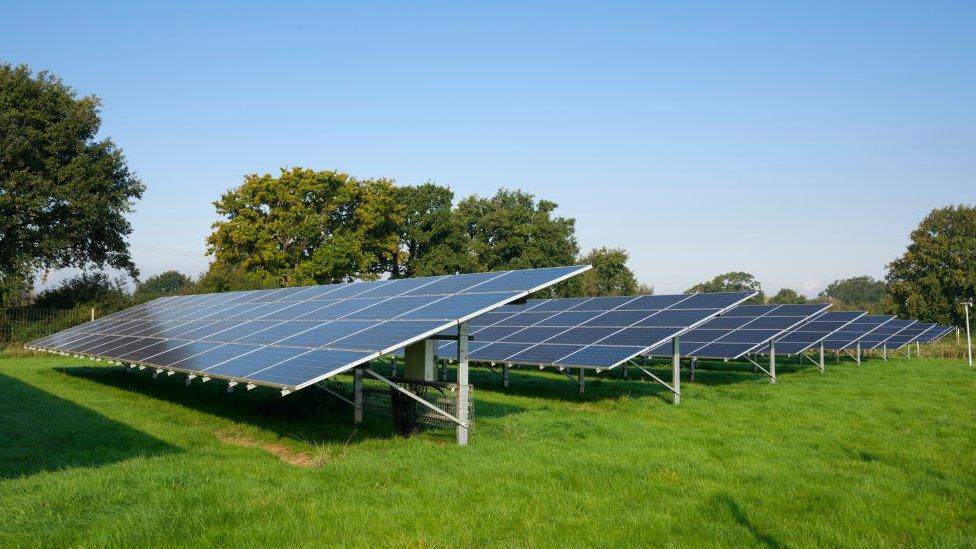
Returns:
(430, 240)
(609, 275)
(307, 227)
(86, 289)
(227, 279)
(734, 281)
(512, 231)
(786, 296)
(165, 283)
(860, 293)
(938, 269)
(63, 194)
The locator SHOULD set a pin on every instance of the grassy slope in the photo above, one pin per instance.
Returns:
(884, 453)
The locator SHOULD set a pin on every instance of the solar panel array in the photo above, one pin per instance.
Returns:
(909, 334)
(880, 337)
(848, 336)
(600, 332)
(294, 337)
(816, 330)
(744, 329)
(936, 333)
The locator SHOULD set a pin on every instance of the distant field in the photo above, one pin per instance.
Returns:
(878, 454)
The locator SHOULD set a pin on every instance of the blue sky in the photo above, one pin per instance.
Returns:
(799, 142)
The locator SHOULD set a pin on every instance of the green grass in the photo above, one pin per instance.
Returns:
(878, 454)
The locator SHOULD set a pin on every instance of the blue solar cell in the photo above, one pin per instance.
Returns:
(493, 333)
(747, 335)
(239, 331)
(727, 322)
(497, 351)
(554, 305)
(386, 335)
(211, 357)
(180, 353)
(453, 284)
(606, 304)
(654, 302)
(533, 335)
(619, 319)
(583, 335)
(324, 334)
(524, 319)
(713, 301)
(116, 341)
(724, 350)
(137, 343)
(600, 356)
(455, 307)
(525, 280)
(778, 323)
(569, 318)
(544, 353)
(676, 318)
(489, 319)
(312, 365)
(259, 359)
(638, 337)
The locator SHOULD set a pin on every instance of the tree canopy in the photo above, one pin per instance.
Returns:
(430, 239)
(938, 269)
(734, 281)
(63, 193)
(307, 227)
(88, 288)
(165, 283)
(512, 231)
(787, 296)
(860, 292)
(610, 274)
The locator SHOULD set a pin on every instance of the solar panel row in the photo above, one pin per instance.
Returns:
(816, 330)
(600, 332)
(294, 337)
(743, 330)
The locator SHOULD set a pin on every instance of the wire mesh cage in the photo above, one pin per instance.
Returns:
(409, 416)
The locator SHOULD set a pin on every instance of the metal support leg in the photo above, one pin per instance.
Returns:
(858, 352)
(462, 379)
(884, 351)
(822, 365)
(676, 370)
(581, 377)
(504, 375)
(357, 391)
(691, 368)
(772, 362)
(625, 371)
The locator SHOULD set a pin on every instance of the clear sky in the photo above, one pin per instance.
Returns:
(798, 141)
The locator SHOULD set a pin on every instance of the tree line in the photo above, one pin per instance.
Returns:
(65, 195)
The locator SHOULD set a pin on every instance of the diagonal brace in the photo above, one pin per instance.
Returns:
(654, 377)
(756, 364)
(435, 409)
(321, 385)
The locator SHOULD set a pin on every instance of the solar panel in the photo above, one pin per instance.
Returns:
(936, 333)
(909, 334)
(816, 330)
(744, 329)
(599, 332)
(849, 335)
(880, 337)
(291, 338)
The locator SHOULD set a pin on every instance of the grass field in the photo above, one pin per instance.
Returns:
(878, 454)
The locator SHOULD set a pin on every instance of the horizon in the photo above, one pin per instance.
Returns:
(663, 130)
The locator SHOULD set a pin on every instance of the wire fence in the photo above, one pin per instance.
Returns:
(19, 325)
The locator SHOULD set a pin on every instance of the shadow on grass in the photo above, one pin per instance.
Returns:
(41, 432)
(739, 516)
(310, 415)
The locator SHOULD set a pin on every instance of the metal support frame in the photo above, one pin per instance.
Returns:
(884, 351)
(858, 357)
(822, 365)
(756, 366)
(676, 370)
(396, 387)
(772, 361)
(462, 379)
(581, 383)
(654, 377)
(504, 374)
(357, 391)
(692, 362)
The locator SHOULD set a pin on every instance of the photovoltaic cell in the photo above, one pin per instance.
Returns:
(909, 335)
(848, 336)
(294, 337)
(816, 330)
(936, 333)
(879, 338)
(599, 332)
(742, 330)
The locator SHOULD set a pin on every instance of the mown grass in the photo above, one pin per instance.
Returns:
(878, 454)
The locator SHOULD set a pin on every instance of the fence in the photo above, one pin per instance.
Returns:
(22, 324)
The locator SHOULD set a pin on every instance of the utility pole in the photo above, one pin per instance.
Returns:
(969, 342)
